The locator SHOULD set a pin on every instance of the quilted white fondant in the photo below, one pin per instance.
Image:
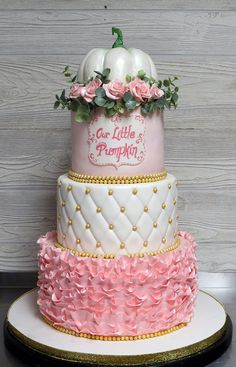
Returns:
(116, 219)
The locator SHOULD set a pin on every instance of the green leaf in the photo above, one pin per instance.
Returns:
(73, 79)
(111, 112)
(151, 106)
(56, 105)
(168, 94)
(100, 92)
(82, 114)
(119, 107)
(63, 95)
(128, 78)
(109, 104)
(176, 89)
(160, 103)
(152, 81)
(143, 110)
(141, 74)
(130, 105)
(74, 105)
(57, 97)
(127, 97)
(175, 97)
(100, 101)
(166, 83)
(106, 72)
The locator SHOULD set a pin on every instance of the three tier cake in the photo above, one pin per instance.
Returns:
(117, 268)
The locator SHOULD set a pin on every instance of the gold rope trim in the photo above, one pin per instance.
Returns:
(117, 179)
(112, 256)
(114, 338)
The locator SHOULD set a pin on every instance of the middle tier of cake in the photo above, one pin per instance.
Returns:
(96, 219)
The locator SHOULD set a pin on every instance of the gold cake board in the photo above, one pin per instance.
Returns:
(203, 340)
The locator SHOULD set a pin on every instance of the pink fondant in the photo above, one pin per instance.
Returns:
(152, 162)
(125, 296)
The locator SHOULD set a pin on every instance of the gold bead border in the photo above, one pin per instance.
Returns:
(112, 256)
(116, 179)
(114, 338)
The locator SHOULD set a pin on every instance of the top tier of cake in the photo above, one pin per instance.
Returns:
(127, 144)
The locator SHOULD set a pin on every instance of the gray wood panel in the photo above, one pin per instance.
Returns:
(168, 32)
(118, 5)
(195, 40)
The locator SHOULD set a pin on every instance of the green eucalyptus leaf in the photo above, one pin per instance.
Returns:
(106, 72)
(141, 74)
(166, 83)
(128, 78)
(168, 94)
(56, 105)
(74, 105)
(127, 97)
(73, 79)
(111, 112)
(175, 97)
(130, 105)
(82, 114)
(119, 107)
(100, 101)
(109, 104)
(160, 103)
(100, 92)
(143, 110)
(152, 81)
(63, 95)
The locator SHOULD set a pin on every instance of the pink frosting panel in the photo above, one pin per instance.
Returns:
(152, 162)
(125, 296)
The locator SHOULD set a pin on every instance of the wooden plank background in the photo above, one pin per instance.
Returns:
(195, 40)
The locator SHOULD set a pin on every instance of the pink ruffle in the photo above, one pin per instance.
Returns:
(125, 296)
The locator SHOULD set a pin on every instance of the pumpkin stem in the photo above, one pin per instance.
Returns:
(119, 41)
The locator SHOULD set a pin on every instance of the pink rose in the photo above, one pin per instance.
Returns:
(88, 93)
(139, 89)
(75, 90)
(156, 93)
(115, 90)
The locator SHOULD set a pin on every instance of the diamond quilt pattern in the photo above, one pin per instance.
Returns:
(116, 219)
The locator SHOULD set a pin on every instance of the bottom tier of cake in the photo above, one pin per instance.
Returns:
(124, 297)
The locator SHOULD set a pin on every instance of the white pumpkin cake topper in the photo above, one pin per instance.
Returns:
(118, 59)
(116, 80)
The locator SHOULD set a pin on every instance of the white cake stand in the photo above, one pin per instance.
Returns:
(203, 340)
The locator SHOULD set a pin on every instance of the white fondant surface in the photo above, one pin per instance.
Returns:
(152, 225)
(209, 317)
